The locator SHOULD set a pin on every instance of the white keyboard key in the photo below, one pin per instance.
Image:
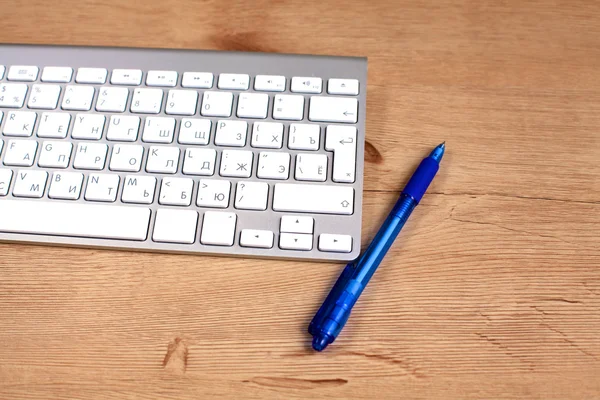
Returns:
(23, 73)
(176, 191)
(199, 161)
(216, 104)
(123, 128)
(218, 228)
(272, 165)
(295, 241)
(126, 157)
(268, 135)
(163, 159)
(322, 199)
(147, 101)
(65, 185)
(253, 105)
(90, 156)
(30, 183)
(44, 97)
(256, 238)
(55, 154)
(307, 84)
(342, 141)
(304, 137)
(12, 95)
(138, 189)
(296, 224)
(231, 133)
(251, 196)
(5, 178)
(78, 98)
(182, 102)
(213, 193)
(175, 226)
(197, 80)
(112, 99)
(74, 219)
(333, 109)
(343, 86)
(161, 78)
(159, 130)
(19, 123)
(236, 163)
(20, 152)
(54, 125)
(1, 141)
(335, 243)
(269, 83)
(88, 126)
(2, 71)
(311, 167)
(102, 187)
(91, 75)
(288, 107)
(234, 81)
(194, 131)
(57, 74)
(126, 77)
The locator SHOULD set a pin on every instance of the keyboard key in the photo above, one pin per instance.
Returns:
(182, 102)
(304, 137)
(253, 105)
(236, 163)
(2, 68)
(123, 128)
(234, 81)
(55, 154)
(194, 131)
(126, 77)
(333, 109)
(23, 73)
(323, 199)
(176, 191)
(90, 156)
(197, 80)
(307, 84)
(269, 83)
(218, 228)
(54, 125)
(44, 97)
(296, 224)
(88, 126)
(159, 130)
(161, 78)
(147, 101)
(30, 183)
(12, 95)
(295, 241)
(231, 133)
(199, 161)
(335, 243)
(91, 75)
(65, 185)
(20, 152)
(163, 159)
(78, 98)
(343, 86)
(268, 135)
(138, 189)
(126, 158)
(5, 178)
(74, 219)
(213, 193)
(102, 187)
(311, 167)
(272, 165)
(251, 195)
(112, 99)
(288, 107)
(256, 238)
(175, 226)
(342, 141)
(19, 123)
(216, 104)
(57, 74)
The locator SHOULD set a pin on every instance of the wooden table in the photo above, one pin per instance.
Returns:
(493, 290)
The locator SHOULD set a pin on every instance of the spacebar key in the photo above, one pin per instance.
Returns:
(74, 219)
(313, 198)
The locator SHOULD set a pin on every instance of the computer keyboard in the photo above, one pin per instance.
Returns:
(205, 152)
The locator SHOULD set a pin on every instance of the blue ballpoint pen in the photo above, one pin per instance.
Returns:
(333, 314)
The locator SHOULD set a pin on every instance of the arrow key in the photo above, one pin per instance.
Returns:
(296, 241)
(256, 238)
(335, 243)
(295, 224)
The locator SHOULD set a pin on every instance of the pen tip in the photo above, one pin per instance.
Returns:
(438, 152)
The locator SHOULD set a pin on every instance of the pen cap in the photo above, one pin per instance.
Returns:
(419, 182)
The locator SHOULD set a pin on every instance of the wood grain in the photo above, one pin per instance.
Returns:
(493, 292)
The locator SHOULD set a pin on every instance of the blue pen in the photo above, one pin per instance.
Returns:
(333, 314)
